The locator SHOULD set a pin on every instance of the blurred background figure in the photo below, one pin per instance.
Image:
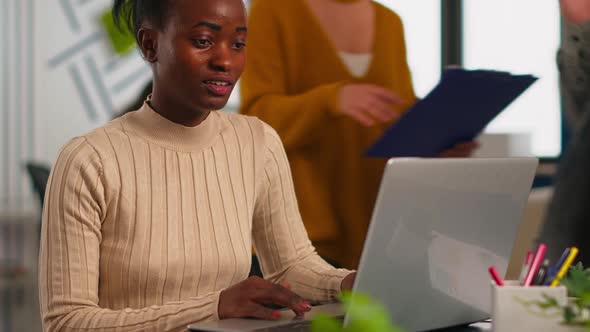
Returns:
(330, 76)
(569, 210)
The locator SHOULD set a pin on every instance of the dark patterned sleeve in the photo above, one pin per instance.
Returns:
(573, 61)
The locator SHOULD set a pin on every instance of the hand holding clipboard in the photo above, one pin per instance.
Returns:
(455, 111)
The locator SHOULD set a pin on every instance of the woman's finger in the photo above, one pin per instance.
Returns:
(279, 295)
(255, 310)
(386, 96)
(362, 118)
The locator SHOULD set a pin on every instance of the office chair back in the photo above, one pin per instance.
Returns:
(39, 174)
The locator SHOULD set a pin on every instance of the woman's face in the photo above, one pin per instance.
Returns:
(200, 52)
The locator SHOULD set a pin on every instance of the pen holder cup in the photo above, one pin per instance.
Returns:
(516, 308)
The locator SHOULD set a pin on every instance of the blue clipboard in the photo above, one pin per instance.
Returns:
(456, 110)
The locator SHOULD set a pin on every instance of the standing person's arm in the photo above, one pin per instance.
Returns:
(283, 247)
(263, 86)
(566, 218)
(574, 57)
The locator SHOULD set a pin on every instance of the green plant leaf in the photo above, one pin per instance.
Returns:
(584, 299)
(569, 315)
(550, 301)
(122, 42)
(547, 302)
(364, 314)
(577, 311)
(577, 281)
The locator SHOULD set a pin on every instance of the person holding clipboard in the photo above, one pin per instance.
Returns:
(330, 76)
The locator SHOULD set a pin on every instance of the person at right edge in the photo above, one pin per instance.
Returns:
(330, 76)
(566, 221)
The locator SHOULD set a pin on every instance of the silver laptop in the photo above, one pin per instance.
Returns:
(437, 226)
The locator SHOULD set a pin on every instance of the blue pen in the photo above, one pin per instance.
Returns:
(554, 268)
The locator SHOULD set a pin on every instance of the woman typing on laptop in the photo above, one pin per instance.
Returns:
(149, 220)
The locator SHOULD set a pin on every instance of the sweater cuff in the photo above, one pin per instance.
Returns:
(333, 283)
(215, 302)
(209, 303)
(333, 97)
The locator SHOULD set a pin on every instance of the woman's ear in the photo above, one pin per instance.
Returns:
(148, 43)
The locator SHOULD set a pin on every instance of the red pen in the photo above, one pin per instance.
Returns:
(496, 276)
(539, 255)
(525, 267)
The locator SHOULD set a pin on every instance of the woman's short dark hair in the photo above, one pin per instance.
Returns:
(130, 14)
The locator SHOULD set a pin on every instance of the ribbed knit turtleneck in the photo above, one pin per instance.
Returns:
(150, 125)
(147, 221)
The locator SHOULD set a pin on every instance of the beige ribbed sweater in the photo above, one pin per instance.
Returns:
(146, 221)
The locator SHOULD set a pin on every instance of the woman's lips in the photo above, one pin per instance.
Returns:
(219, 88)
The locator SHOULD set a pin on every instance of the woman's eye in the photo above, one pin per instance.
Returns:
(239, 45)
(202, 43)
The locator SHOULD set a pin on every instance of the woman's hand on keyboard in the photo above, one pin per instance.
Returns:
(248, 298)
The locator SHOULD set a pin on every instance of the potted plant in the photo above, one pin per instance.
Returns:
(576, 312)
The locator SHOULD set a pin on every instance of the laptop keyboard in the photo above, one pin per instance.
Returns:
(295, 326)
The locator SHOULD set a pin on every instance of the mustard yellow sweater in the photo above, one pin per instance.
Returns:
(292, 79)
(146, 221)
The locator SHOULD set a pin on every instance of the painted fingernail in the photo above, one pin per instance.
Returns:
(304, 305)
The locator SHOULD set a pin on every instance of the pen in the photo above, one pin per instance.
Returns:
(554, 268)
(565, 267)
(496, 276)
(542, 273)
(525, 267)
(535, 264)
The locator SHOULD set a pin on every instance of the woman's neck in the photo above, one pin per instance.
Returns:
(176, 112)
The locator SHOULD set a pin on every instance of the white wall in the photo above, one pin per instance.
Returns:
(520, 37)
(422, 31)
(59, 79)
